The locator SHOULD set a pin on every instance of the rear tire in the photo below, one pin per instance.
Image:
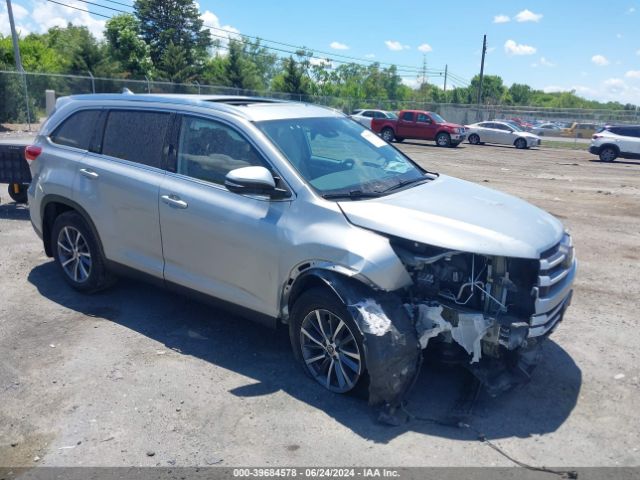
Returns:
(326, 342)
(520, 143)
(443, 139)
(608, 154)
(21, 195)
(474, 139)
(77, 253)
(387, 135)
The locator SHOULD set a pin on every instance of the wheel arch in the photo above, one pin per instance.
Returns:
(346, 286)
(611, 145)
(51, 207)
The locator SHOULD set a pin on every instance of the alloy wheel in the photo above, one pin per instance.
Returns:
(330, 351)
(74, 254)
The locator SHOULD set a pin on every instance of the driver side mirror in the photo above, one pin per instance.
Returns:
(253, 181)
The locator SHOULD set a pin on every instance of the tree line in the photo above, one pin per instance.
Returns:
(167, 40)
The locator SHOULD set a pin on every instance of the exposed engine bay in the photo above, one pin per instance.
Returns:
(489, 314)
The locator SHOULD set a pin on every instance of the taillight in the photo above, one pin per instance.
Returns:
(31, 152)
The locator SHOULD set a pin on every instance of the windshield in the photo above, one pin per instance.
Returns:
(437, 118)
(392, 115)
(515, 126)
(339, 157)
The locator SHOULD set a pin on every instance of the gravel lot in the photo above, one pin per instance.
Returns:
(112, 378)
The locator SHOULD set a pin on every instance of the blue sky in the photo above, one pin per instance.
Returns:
(588, 46)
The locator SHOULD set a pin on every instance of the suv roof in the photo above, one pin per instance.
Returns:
(250, 108)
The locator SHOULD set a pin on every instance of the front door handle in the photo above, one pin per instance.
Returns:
(88, 173)
(174, 201)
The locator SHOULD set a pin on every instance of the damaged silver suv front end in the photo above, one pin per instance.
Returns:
(487, 313)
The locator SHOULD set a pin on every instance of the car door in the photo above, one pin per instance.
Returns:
(504, 134)
(406, 125)
(491, 133)
(118, 186)
(426, 127)
(217, 242)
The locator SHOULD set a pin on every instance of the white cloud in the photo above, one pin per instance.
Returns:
(221, 33)
(631, 10)
(546, 63)
(395, 46)
(425, 48)
(501, 19)
(528, 16)
(611, 90)
(321, 61)
(633, 74)
(370, 55)
(338, 46)
(600, 60)
(513, 48)
(43, 15)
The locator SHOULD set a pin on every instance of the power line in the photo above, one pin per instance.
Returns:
(330, 56)
(80, 9)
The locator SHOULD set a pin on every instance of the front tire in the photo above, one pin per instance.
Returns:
(474, 139)
(443, 139)
(387, 135)
(608, 154)
(327, 342)
(77, 254)
(520, 143)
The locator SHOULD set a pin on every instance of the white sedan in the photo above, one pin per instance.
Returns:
(502, 133)
(364, 117)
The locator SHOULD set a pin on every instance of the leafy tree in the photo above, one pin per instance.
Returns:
(492, 89)
(78, 48)
(293, 79)
(520, 93)
(174, 65)
(124, 45)
(163, 22)
(240, 70)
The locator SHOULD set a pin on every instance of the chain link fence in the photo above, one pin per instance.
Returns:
(18, 105)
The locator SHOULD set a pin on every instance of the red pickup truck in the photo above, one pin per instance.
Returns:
(421, 125)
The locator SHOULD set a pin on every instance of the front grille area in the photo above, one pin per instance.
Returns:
(553, 288)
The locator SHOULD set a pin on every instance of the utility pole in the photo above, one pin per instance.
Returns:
(445, 83)
(18, 59)
(484, 50)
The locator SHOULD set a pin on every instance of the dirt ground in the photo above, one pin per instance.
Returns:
(138, 376)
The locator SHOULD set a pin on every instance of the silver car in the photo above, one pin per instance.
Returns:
(504, 133)
(295, 214)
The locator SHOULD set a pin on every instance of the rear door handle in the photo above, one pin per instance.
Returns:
(174, 201)
(88, 173)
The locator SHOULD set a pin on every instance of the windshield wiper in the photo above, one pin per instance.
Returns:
(405, 183)
(353, 194)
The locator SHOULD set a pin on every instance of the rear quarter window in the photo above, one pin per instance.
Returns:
(137, 136)
(77, 130)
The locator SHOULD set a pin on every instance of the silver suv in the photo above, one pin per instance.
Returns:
(296, 214)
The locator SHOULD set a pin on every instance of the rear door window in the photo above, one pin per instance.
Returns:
(136, 135)
(77, 130)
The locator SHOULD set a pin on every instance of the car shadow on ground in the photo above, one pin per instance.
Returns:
(14, 211)
(617, 160)
(264, 355)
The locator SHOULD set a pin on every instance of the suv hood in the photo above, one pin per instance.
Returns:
(459, 215)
